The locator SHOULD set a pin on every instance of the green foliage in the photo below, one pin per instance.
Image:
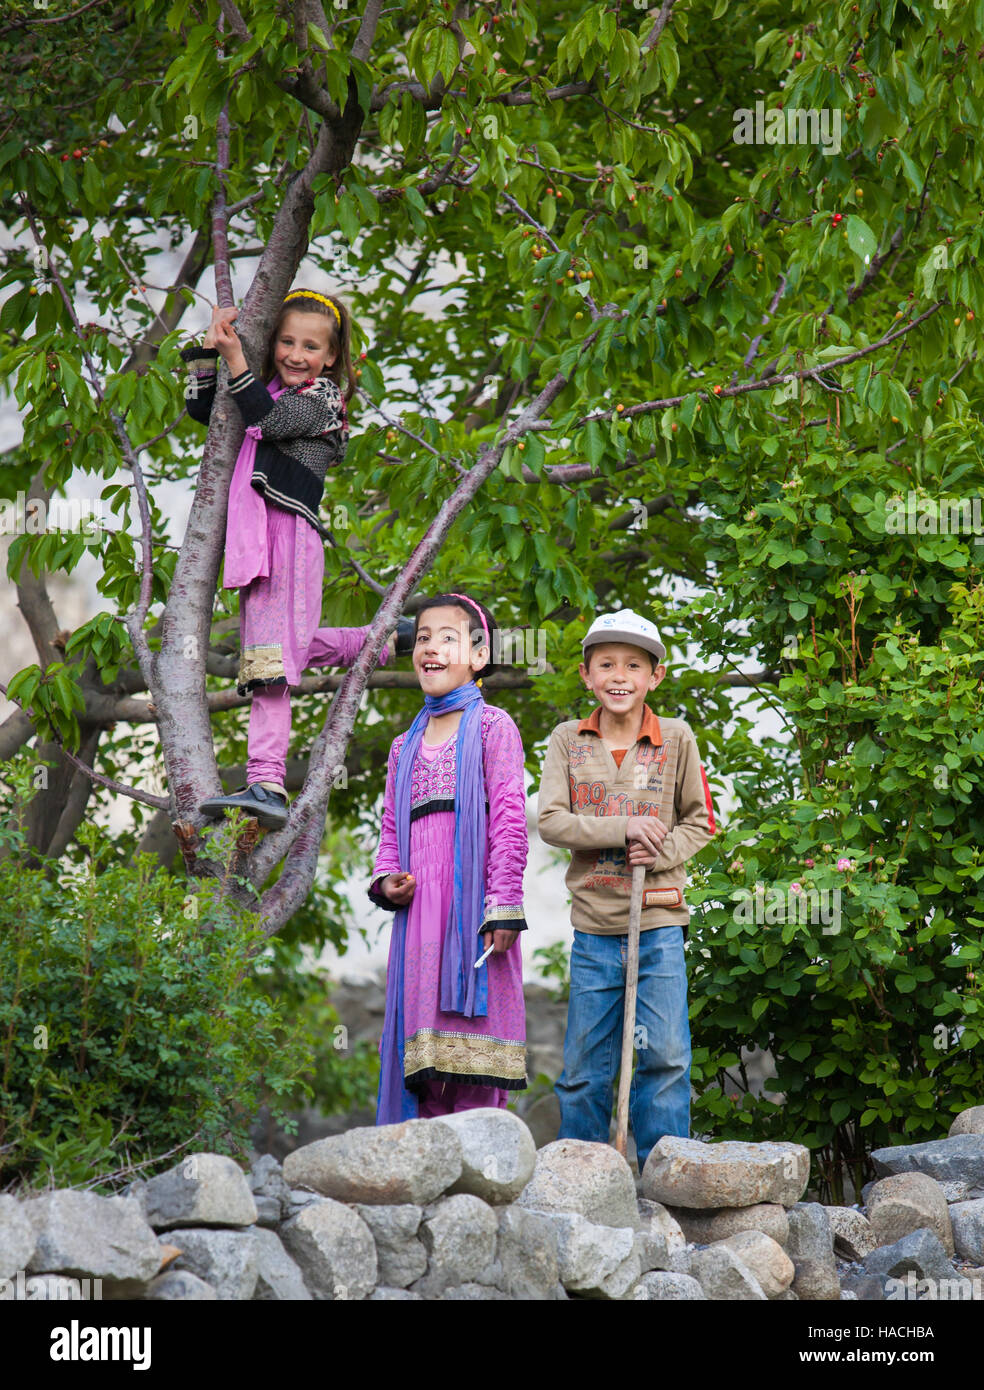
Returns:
(130, 1022)
(554, 964)
(343, 1073)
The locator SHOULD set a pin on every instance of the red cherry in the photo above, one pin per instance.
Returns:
(797, 54)
(64, 157)
(76, 154)
(362, 357)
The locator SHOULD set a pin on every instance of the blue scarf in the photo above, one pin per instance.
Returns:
(464, 990)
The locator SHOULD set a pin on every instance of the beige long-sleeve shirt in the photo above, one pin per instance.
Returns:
(586, 799)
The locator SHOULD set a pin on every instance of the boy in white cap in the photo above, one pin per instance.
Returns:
(621, 788)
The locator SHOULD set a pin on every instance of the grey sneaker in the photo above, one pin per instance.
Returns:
(269, 808)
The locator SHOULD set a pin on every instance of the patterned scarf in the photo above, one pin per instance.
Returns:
(464, 990)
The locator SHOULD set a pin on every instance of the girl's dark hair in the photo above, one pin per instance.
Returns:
(473, 608)
(339, 337)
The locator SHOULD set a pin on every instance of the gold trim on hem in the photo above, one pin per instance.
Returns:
(464, 1054)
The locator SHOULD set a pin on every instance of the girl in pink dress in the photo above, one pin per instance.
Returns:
(452, 851)
(296, 436)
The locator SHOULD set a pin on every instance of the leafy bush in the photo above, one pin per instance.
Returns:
(130, 1019)
(872, 1011)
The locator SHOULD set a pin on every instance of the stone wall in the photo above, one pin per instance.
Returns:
(467, 1208)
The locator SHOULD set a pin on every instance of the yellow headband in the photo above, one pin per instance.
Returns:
(310, 294)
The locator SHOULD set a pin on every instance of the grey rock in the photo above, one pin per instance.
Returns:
(816, 1281)
(960, 1159)
(386, 1165)
(665, 1287)
(730, 1173)
(959, 1191)
(811, 1248)
(652, 1252)
(916, 1257)
(680, 1259)
(590, 1180)
(498, 1154)
(705, 1227)
(968, 1230)
(865, 1288)
(459, 1234)
(278, 1278)
(969, 1121)
(225, 1259)
(105, 1238)
(765, 1257)
(597, 1261)
(204, 1189)
(908, 1202)
(299, 1199)
(387, 1295)
(810, 1234)
(181, 1284)
(853, 1238)
(472, 1293)
(400, 1252)
(788, 1296)
(266, 1179)
(16, 1237)
(526, 1253)
(723, 1275)
(660, 1224)
(268, 1211)
(334, 1249)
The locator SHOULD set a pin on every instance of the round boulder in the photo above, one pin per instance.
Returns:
(498, 1154)
(385, 1165)
(591, 1180)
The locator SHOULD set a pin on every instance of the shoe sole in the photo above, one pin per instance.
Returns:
(215, 807)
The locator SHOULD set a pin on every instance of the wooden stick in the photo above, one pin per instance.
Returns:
(628, 1022)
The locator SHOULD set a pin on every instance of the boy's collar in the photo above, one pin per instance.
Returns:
(650, 725)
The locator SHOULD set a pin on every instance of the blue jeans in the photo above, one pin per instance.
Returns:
(659, 1100)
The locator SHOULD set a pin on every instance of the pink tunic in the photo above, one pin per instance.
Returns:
(490, 1052)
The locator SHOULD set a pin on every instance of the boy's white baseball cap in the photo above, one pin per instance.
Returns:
(625, 626)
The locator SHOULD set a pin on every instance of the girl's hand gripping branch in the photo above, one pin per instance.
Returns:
(222, 336)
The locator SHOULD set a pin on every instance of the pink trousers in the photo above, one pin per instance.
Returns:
(269, 716)
(449, 1097)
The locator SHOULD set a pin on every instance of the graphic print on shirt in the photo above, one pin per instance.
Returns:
(610, 869)
(579, 754)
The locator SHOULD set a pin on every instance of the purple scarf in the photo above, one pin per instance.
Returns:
(464, 990)
(246, 555)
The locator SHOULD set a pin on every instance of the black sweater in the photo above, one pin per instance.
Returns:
(303, 433)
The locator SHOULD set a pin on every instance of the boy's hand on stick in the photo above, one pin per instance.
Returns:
(644, 836)
(501, 938)
(398, 888)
